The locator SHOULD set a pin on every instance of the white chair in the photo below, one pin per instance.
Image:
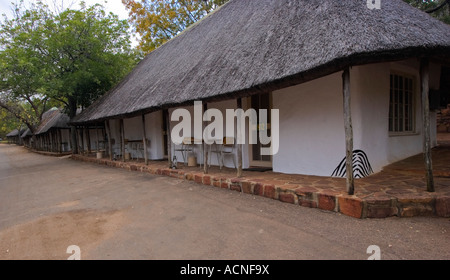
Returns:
(226, 148)
(139, 150)
(185, 147)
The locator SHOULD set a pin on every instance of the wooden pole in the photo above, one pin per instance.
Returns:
(108, 131)
(82, 140)
(169, 139)
(424, 76)
(122, 139)
(97, 138)
(348, 132)
(50, 141)
(55, 140)
(60, 141)
(239, 145)
(88, 139)
(47, 145)
(54, 143)
(205, 148)
(144, 139)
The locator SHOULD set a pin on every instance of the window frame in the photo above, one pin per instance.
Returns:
(413, 90)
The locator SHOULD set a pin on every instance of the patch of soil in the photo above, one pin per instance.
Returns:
(48, 238)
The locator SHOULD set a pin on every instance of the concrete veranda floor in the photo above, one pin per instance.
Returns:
(398, 190)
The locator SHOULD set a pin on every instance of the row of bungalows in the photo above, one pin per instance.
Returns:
(350, 83)
(13, 137)
(52, 133)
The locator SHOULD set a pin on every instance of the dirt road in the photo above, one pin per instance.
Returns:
(48, 204)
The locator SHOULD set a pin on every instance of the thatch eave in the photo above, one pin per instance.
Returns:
(438, 54)
(248, 47)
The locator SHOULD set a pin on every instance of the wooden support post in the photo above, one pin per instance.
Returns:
(55, 140)
(108, 131)
(348, 132)
(73, 139)
(60, 150)
(88, 140)
(122, 139)
(205, 146)
(424, 76)
(54, 143)
(50, 141)
(97, 139)
(82, 140)
(169, 138)
(239, 145)
(47, 145)
(144, 139)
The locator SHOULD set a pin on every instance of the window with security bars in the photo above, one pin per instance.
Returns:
(401, 108)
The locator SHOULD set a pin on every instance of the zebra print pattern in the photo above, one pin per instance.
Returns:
(361, 166)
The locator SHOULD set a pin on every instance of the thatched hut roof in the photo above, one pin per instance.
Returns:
(53, 118)
(27, 133)
(249, 46)
(15, 133)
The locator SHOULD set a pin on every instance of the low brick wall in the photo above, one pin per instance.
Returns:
(353, 206)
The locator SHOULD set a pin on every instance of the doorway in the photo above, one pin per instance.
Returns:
(257, 102)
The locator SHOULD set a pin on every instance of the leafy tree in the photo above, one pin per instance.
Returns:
(72, 57)
(157, 21)
(437, 8)
(21, 66)
(8, 123)
(91, 51)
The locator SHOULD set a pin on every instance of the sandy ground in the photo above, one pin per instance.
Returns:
(48, 237)
(48, 204)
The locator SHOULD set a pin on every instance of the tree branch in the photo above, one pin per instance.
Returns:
(438, 7)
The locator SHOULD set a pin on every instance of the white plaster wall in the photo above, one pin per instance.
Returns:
(133, 132)
(401, 147)
(65, 138)
(154, 133)
(370, 112)
(93, 138)
(115, 135)
(312, 138)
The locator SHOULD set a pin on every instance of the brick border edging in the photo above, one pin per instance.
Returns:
(50, 154)
(353, 206)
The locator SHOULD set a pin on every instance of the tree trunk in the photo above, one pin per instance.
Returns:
(73, 129)
(348, 132)
(169, 139)
(239, 145)
(108, 132)
(144, 140)
(424, 76)
(205, 146)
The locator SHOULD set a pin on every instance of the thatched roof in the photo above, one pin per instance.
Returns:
(249, 46)
(53, 118)
(26, 133)
(15, 133)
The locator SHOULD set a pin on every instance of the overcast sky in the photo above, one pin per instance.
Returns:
(114, 6)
